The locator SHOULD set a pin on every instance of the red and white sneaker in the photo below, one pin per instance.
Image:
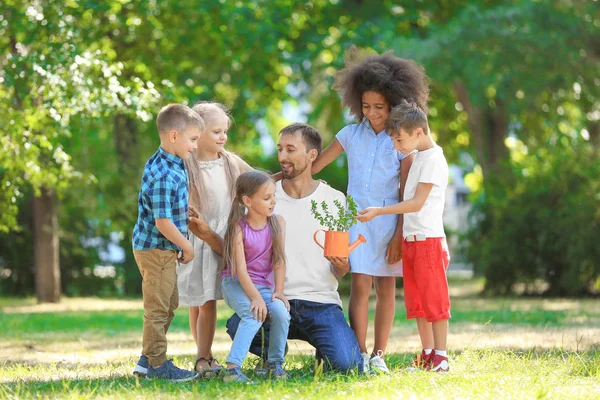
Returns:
(439, 363)
(422, 362)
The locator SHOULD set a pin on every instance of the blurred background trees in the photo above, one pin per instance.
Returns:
(515, 103)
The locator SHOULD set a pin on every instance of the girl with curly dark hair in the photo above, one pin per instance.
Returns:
(371, 86)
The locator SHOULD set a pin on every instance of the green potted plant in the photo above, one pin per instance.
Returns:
(337, 237)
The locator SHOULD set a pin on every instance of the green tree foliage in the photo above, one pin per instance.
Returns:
(545, 227)
(51, 77)
(504, 64)
(82, 80)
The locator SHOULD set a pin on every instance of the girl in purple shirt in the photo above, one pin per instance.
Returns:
(255, 272)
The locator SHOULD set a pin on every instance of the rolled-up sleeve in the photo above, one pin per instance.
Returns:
(162, 195)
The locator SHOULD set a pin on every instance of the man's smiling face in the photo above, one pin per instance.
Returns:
(292, 155)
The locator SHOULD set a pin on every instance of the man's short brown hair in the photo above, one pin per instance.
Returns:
(311, 136)
(177, 117)
(408, 116)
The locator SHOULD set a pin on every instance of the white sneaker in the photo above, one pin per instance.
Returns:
(378, 364)
(366, 363)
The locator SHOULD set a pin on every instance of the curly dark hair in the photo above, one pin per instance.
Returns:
(394, 78)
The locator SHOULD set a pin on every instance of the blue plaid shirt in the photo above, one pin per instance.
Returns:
(164, 194)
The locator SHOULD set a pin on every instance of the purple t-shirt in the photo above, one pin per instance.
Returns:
(258, 250)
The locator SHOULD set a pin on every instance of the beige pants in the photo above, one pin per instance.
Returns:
(161, 298)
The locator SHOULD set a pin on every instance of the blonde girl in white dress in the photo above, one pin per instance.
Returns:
(212, 175)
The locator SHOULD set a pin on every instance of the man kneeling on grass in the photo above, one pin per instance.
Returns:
(311, 280)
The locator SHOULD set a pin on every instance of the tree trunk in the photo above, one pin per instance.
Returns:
(127, 145)
(489, 128)
(45, 246)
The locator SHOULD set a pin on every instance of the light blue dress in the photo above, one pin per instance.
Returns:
(373, 181)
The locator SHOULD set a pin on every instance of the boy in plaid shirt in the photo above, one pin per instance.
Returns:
(161, 232)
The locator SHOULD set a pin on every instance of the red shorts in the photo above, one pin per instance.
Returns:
(425, 285)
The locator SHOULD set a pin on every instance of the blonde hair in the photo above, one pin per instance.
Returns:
(248, 184)
(207, 111)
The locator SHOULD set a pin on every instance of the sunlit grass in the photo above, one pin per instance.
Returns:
(499, 348)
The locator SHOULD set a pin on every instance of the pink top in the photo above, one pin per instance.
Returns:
(258, 250)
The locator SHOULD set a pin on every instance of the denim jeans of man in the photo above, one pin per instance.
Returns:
(238, 300)
(322, 325)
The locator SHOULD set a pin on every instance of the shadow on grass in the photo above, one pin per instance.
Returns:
(110, 323)
(114, 323)
(51, 376)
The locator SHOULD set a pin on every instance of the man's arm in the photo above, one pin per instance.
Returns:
(340, 266)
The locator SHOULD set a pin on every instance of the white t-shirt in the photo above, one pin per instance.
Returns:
(429, 166)
(308, 273)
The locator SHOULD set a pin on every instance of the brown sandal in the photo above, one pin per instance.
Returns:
(209, 370)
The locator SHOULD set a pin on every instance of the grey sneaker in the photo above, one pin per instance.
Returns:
(170, 372)
(141, 369)
(277, 371)
(234, 374)
(378, 364)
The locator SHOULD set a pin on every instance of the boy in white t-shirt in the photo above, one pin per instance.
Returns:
(424, 251)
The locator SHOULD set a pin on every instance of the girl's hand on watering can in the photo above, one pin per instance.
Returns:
(367, 214)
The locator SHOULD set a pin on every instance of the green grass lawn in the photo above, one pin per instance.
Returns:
(499, 348)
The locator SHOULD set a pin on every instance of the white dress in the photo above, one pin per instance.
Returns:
(200, 280)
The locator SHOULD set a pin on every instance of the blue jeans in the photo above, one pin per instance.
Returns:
(279, 318)
(322, 325)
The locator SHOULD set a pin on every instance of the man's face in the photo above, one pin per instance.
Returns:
(292, 155)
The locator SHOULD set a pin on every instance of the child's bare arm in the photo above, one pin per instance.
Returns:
(330, 153)
(412, 205)
(170, 231)
(279, 270)
(394, 249)
(200, 228)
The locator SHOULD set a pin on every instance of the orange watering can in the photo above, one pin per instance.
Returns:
(336, 243)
